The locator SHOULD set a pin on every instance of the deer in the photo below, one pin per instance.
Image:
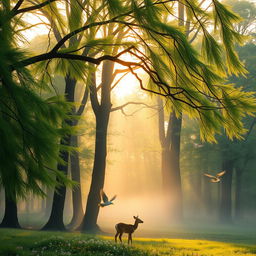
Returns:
(127, 228)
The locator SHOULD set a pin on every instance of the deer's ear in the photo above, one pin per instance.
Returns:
(134, 217)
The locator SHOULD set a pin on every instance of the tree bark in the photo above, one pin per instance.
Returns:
(55, 221)
(76, 192)
(102, 113)
(175, 177)
(226, 192)
(172, 138)
(10, 219)
(98, 174)
(170, 143)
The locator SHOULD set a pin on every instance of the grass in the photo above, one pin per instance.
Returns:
(40, 243)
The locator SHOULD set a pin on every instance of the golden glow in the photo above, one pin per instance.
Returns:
(37, 26)
(127, 86)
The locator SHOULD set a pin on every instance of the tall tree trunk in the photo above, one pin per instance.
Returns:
(165, 161)
(175, 177)
(98, 173)
(102, 113)
(226, 192)
(76, 192)
(238, 194)
(10, 219)
(170, 143)
(55, 221)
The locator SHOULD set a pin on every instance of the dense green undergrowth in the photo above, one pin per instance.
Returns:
(40, 243)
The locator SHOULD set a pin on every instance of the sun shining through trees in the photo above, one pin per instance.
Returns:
(150, 100)
(127, 86)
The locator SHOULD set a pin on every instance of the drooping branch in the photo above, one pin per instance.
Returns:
(132, 103)
(154, 76)
(17, 6)
(122, 107)
(30, 8)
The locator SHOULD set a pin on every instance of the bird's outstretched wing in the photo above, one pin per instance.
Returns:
(103, 196)
(221, 173)
(210, 176)
(113, 198)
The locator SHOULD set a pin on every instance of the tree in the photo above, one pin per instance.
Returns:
(247, 10)
(238, 160)
(72, 74)
(170, 143)
(29, 125)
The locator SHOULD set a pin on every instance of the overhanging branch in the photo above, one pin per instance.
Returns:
(30, 8)
(132, 103)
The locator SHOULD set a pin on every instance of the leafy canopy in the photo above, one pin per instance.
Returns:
(193, 82)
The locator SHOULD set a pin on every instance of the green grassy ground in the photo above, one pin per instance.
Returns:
(39, 243)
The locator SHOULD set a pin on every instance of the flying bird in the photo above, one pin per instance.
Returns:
(105, 200)
(216, 178)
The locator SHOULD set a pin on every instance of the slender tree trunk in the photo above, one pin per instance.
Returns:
(76, 192)
(102, 113)
(170, 143)
(98, 173)
(171, 170)
(175, 177)
(165, 161)
(238, 194)
(10, 219)
(226, 192)
(55, 221)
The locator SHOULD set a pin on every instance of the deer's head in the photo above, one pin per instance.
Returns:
(137, 219)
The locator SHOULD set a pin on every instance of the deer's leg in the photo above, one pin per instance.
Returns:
(116, 236)
(120, 237)
(129, 238)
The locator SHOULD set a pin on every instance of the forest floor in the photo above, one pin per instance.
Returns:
(40, 243)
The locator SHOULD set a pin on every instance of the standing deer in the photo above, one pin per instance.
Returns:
(127, 228)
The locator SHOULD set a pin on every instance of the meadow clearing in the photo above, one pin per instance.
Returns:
(179, 243)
